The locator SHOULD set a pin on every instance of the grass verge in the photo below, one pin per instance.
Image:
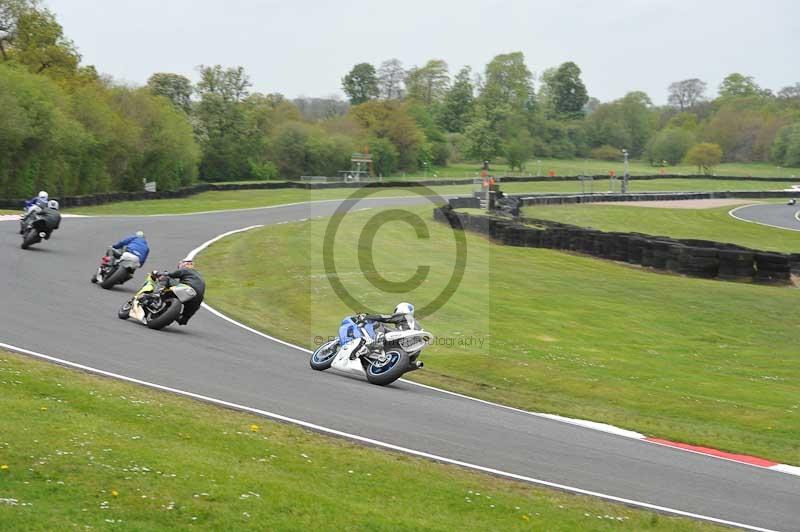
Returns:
(572, 167)
(80, 451)
(699, 361)
(240, 199)
(707, 224)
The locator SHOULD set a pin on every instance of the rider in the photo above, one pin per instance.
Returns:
(32, 205)
(52, 216)
(402, 318)
(39, 201)
(133, 248)
(186, 274)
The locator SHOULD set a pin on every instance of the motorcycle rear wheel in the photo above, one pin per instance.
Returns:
(166, 316)
(393, 369)
(31, 237)
(118, 276)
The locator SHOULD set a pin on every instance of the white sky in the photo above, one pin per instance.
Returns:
(304, 47)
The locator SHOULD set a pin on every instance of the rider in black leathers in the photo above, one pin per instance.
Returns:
(186, 274)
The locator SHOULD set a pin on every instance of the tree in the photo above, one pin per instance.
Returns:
(390, 119)
(519, 150)
(786, 147)
(790, 92)
(625, 123)
(429, 83)
(384, 156)
(10, 11)
(390, 79)
(230, 84)
(480, 140)
(687, 93)
(508, 82)
(178, 89)
(39, 42)
(736, 85)
(458, 103)
(567, 91)
(705, 156)
(670, 145)
(361, 84)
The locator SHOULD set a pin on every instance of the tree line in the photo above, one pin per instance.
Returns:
(65, 128)
(505, 111)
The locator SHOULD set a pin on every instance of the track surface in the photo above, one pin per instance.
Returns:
(50, 307)
(783, 216)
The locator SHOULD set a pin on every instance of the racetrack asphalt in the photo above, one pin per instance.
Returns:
(774, 215)
(50, 307)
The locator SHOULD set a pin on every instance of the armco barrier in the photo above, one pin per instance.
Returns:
(691, 257)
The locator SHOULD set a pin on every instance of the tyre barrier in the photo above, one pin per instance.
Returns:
(690, 257)
(567, 199)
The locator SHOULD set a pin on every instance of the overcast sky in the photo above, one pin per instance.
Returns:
(304, 47)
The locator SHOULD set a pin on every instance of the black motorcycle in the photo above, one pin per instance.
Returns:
(113, 270)
(35, 227)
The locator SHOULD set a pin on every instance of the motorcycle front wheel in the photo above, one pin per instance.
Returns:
(396, 364)
(124, 311)
(322, 358)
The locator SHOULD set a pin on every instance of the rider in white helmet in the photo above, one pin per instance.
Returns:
(402, 318)
(33, 205)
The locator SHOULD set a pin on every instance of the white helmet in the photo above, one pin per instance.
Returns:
(53, 204)
(404, 308)
(43, 195)
(140, 234)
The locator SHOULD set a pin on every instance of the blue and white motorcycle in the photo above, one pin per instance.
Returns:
(367, 348)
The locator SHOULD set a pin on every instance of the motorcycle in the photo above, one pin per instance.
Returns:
(35, 227)
(157, 303)
(381, 357)
(113, 271)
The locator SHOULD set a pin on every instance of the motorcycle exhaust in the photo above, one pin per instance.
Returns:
(417, 364)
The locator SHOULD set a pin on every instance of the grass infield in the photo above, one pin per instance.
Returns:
(83, 452)
(699, 361)
(706, 224)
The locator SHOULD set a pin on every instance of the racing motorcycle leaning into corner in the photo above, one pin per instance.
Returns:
(38, 223)
(366, 346)
(158, 302)
(115, 268)
(121, 260)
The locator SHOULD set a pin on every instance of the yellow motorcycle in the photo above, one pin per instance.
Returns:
(158, 302)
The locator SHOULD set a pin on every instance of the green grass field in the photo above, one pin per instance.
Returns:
(707, 224)
(572, 167)
(83, 452)
(239, 199)
(699, 361)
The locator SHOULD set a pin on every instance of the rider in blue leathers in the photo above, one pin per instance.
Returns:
(34, 204)
(134, 248)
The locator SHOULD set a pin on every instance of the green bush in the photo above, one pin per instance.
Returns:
(705, 156)
(670, 145)
(606, 153)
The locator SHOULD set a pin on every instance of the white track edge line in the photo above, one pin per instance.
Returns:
(585, 423)
(732, 211)
(378, 443)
